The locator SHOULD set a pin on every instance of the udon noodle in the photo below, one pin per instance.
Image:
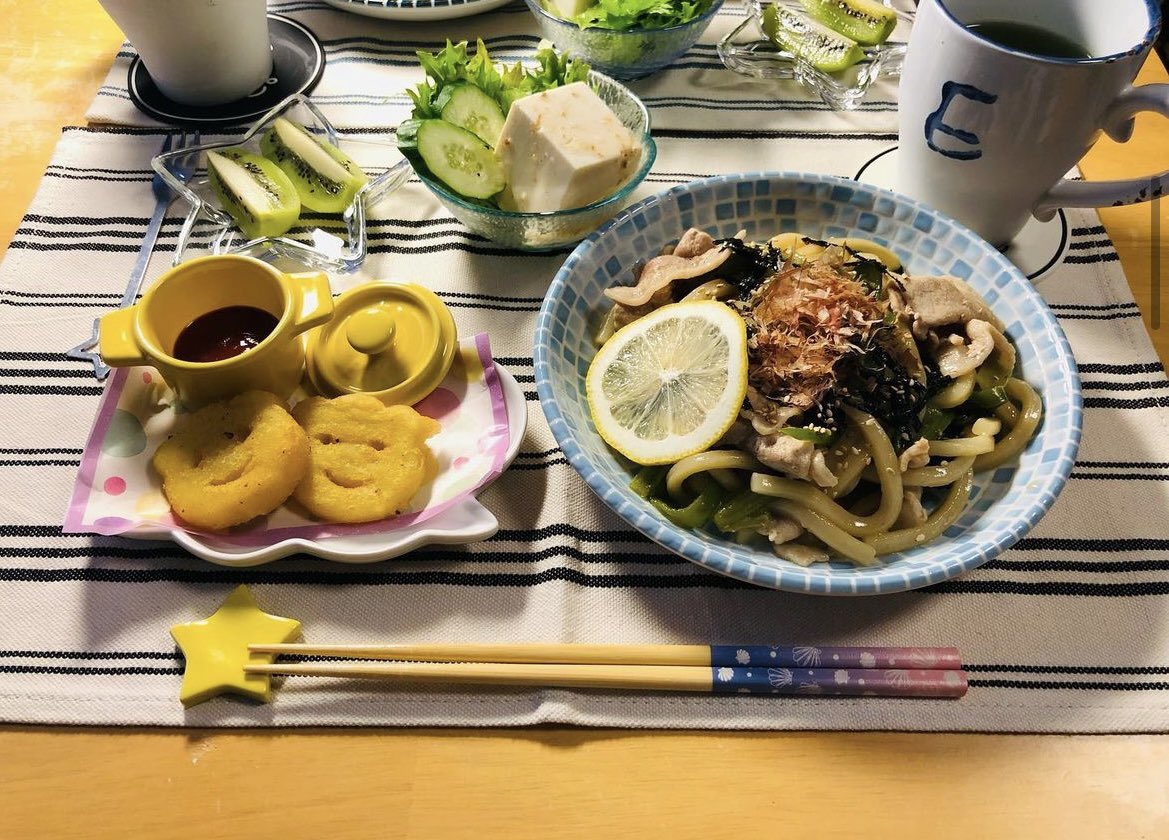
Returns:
(873, 398)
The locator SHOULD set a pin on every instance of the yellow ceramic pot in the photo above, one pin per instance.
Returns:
(395, 341)
(145, 334)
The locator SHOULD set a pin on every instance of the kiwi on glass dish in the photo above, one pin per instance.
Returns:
(325, 178)
(289, 185)
(835, 48)
(264, 195)
(864, 21)
(831, 33)
(258, 195)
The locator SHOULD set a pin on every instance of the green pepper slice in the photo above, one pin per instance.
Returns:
(745, 511)
(934, 421)
(649, 480)
(816, 436)
(988, 399)
(696, 514)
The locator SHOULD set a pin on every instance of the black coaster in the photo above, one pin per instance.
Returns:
(1039, 247)
(297, 64)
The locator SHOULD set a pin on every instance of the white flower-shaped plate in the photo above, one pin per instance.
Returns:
(468, 522)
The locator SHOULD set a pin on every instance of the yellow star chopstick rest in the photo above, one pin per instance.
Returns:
(216, 649)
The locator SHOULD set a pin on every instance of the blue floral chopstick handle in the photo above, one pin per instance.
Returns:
(808, 656)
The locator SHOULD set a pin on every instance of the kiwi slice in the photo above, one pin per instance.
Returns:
(254, 191)
(325, 178)
(816, 44)
(864, 21)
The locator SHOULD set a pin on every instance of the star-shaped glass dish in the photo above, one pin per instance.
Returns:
(746, 50)
(332, 241)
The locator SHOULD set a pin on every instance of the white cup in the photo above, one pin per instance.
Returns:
(988, 132)
(199, 52)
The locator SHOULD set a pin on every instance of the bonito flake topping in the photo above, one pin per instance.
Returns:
(801, 322)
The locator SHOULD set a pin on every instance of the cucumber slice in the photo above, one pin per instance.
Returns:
(816, 44)
(864, 21)
(258, 196)
(456, 157)
(468, 107)
(408, 137)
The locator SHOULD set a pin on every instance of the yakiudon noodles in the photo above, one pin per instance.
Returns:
(873, 396)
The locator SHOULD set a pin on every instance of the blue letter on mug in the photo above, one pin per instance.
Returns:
(934, 122)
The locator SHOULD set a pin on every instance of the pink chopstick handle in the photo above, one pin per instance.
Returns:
(852, 682)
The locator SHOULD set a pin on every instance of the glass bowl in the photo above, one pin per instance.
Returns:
(554, 229)
(746, 50)
(1005, 503)
(330, 241)
(623, 55)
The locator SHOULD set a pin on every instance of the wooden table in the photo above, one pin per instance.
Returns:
(557, 782)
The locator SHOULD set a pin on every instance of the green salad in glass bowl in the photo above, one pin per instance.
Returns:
(627, 39)
(533, 156)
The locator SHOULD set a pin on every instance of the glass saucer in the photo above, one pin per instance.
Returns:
(746, 50)
(331, 241)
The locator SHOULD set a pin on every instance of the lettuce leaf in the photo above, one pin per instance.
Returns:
(504, 84)
(640, 14)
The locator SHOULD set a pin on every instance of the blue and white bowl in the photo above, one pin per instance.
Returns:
(1005, 503)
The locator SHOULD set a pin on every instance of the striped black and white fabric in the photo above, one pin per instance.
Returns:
(1067, 632)
(369, 65)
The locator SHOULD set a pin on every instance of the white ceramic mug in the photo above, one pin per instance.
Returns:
(988, 132)
(199, 52)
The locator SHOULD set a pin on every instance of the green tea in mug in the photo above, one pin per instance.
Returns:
(1029, 39)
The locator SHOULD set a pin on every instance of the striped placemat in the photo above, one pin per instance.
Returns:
(369, 65)
(1067, 632)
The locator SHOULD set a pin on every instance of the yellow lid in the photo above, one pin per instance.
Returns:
(393, 340)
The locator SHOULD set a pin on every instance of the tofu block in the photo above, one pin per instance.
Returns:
(563, 148)
(567, 9)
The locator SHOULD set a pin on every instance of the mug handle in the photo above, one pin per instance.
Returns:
(1118, 124)
(116, 342)
(316, 299)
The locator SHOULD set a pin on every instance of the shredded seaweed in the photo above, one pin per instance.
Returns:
(870, 274)
(876, 383)
(748, 265)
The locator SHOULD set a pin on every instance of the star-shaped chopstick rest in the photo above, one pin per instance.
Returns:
(216, 649)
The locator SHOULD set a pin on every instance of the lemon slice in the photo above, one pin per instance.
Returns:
(671, 383)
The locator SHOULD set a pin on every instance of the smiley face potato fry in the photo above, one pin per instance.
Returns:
(232, 461)
(366, 459)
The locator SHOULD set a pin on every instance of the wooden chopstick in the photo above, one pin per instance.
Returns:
(716, 679)
(731, 656)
